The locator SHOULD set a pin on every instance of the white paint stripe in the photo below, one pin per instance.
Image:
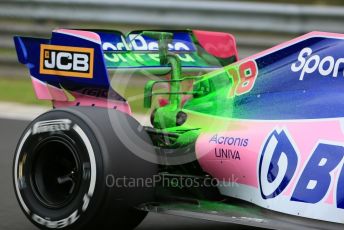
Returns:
(16, 111)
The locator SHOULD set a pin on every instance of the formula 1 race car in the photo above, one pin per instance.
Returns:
(257, 141)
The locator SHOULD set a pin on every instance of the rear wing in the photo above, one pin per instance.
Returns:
(78, 61)
(196, 50)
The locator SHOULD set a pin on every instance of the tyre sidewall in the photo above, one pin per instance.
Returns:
(88, 200)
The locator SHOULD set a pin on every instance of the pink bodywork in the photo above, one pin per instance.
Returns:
(59, 98)
(304, 133)
(222, 45)
(87, 35)
(85, 100)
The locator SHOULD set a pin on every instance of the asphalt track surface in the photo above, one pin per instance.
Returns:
(11, 217)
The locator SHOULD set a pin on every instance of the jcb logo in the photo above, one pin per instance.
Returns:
(66, 61)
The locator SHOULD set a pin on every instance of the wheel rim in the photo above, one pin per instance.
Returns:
(55, 176)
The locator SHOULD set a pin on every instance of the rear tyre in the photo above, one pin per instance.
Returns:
(65, 168)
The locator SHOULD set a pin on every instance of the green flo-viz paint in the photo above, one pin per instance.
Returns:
(141, 60)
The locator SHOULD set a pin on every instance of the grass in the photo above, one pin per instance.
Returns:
(20, 91)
